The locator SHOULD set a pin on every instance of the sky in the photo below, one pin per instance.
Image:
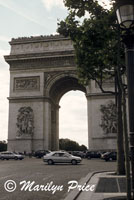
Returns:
(23, 18)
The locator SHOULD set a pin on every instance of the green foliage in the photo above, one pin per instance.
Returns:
(3, 146)
(69, 145)
(81, 6)
(82, 148)
(95, 39)
(98, 50)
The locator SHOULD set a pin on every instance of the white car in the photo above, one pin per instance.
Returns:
(61, 157)
(10, 155)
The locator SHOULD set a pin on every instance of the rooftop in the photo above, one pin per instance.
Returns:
(38, 38)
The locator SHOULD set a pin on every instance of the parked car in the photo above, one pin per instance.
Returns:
(102, 153)
(93, 154)
(61, 157)
(10, 155)
(41, 153)
(79, 154)
(109, 156)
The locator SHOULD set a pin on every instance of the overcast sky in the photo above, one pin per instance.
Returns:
(20, 18)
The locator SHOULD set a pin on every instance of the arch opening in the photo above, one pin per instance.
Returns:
(58, 89)
(73, 117)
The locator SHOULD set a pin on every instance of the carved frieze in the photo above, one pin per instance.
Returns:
(25, 121)
(41, 46)
(109, 118)
(41, 63)
(27, 83)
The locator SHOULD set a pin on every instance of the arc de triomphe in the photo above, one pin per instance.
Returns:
(42, 70)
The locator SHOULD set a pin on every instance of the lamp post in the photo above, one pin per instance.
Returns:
(125, 15)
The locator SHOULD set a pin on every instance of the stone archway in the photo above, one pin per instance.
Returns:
(42, 69)
(56, 88)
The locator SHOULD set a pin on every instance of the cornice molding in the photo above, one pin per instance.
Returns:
(42, 63)
(32, 99)
(99, 95)
(44, 55)
(38, 39)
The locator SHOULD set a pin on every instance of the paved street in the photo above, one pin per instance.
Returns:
(32, 169)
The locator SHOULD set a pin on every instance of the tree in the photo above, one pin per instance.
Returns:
(82, 148)
(69, 145)
(96, 44)
(3, 146)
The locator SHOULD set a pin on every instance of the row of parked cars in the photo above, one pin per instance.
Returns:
(48, 156)
(65, 157)
(6, 155)
(73, 156)
(107, 156)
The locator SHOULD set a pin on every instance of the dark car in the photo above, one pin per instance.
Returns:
(79, 154)
(41, 153)
(93, 154)
(109, 156)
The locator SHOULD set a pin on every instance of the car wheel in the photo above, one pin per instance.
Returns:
(39, 157)
(15, 158)
(50, 162)
(2, 158)
(74, 162)
(110, 159)
(88, 157)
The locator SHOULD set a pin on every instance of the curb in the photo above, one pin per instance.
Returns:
(75, 193)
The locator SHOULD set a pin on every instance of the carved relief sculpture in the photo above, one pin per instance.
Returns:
(25, 121)
(109, 118)
(27, 83)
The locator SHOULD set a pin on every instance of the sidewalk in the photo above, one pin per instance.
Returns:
(107, 186)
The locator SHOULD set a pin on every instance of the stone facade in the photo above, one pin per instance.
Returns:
(42, 70)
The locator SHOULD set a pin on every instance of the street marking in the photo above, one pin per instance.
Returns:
(118, 184)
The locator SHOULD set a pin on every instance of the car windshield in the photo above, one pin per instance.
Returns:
(106, 153)
(59, 154)
(49, 154)
(67, 155)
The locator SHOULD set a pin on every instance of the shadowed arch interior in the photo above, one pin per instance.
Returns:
(63, 85)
